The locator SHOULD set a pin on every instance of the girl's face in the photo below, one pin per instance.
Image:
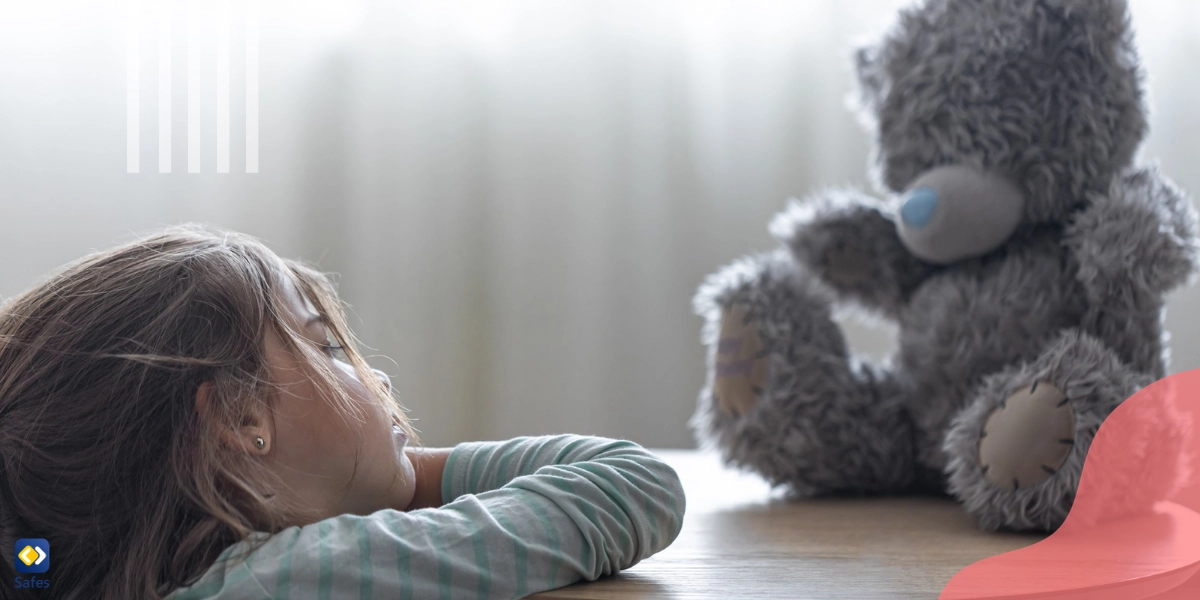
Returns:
(313, 450)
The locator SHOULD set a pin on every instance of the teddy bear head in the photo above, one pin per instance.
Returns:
(1044, 97)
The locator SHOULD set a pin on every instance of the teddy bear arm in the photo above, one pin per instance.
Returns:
(850, 242)
(1135, 243)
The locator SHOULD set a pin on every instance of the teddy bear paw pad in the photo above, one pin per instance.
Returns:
(741, 369)
(1027, 437)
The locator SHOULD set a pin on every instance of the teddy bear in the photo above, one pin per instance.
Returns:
(1020, 252)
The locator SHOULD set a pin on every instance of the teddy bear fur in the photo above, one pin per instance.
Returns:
(1049, 93)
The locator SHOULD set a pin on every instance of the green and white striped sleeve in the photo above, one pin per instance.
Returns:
(521, 516)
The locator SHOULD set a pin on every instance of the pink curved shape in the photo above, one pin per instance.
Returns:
(1134, 528)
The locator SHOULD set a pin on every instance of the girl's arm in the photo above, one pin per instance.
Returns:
(520, 516)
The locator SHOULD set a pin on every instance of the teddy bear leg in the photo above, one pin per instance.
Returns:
(1016, 450)
(784, 397)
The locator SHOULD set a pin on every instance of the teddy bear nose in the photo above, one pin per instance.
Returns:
(918, 209)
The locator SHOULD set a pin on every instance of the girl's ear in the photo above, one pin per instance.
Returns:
(246, 437)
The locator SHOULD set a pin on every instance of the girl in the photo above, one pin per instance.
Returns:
(188, 416)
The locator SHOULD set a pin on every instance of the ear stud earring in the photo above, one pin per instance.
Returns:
(260, 442)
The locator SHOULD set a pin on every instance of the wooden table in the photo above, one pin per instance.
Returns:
(741, 541)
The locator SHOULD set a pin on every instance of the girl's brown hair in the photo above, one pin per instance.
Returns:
(102, 451)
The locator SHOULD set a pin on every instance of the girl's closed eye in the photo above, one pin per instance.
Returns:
(336, 351)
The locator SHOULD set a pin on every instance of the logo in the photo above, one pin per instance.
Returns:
(32, 555)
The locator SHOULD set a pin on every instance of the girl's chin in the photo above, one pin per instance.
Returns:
(408, 475)
(400, 443)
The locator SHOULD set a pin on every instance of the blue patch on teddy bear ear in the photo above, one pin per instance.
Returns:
(918, 208)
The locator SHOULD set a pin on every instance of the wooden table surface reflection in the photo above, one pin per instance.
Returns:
(741, 541)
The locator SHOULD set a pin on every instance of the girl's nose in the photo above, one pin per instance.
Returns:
(384, 376)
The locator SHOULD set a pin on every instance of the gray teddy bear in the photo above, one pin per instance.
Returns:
(1022, 254)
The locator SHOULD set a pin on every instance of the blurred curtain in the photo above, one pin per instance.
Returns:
(541, 185)
(519, 197)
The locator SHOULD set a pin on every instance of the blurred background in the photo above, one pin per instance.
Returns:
(518, 197)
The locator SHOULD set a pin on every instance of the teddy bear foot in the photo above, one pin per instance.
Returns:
(784, 396)
(1016, 450)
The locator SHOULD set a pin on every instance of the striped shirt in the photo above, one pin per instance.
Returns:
(519, 516)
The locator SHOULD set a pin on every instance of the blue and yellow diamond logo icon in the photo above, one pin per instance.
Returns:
(32, 555)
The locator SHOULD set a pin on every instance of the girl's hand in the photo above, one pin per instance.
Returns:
(428, 463)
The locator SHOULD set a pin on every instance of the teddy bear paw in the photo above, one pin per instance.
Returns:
(847, 265)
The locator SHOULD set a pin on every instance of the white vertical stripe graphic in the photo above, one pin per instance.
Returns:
(222, 86)
(199, 33)
(251, 86)
(193, 87)
(164, 86)
(133, 88)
